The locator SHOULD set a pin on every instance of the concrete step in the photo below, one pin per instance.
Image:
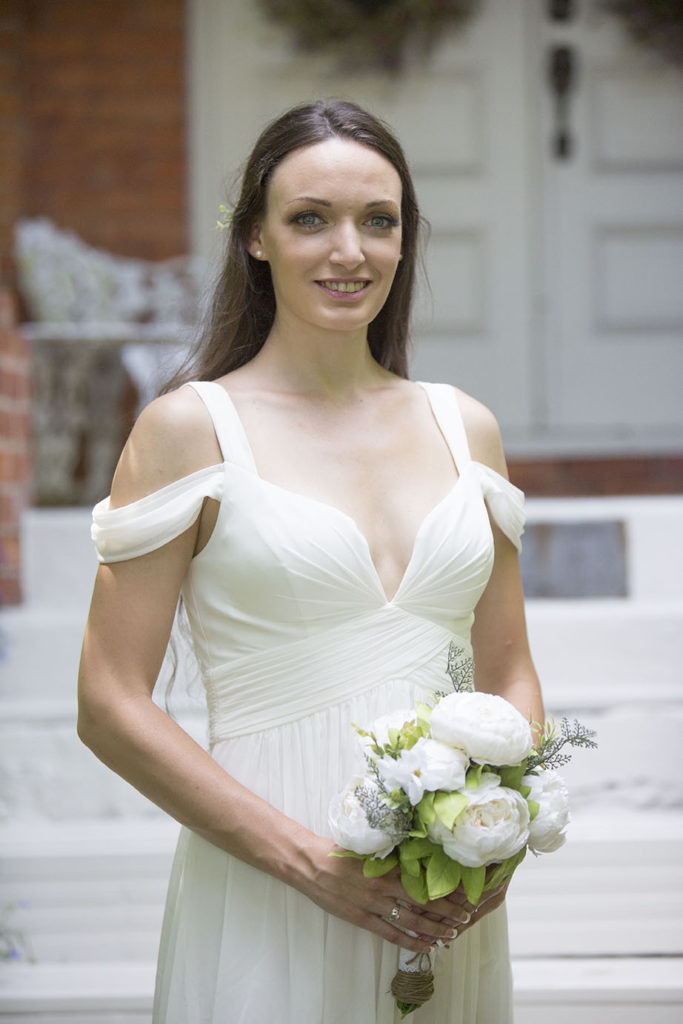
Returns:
(596, 928)
(596, 990)
(87, 891)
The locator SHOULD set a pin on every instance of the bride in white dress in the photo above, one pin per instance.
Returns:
(330, 526)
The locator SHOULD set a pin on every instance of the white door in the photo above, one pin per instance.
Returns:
(613, 244)
(464, 124)
(556, 285)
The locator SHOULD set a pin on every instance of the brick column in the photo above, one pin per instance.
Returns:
(15, 444)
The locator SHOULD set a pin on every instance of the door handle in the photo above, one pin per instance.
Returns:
(562, 75)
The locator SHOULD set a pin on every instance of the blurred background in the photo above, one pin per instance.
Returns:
(546, 142)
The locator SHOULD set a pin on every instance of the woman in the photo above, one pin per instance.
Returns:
(324, 520)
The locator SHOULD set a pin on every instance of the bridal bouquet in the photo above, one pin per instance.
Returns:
(453, 795)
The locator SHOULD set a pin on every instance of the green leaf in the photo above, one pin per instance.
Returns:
(347, 853)
(406, 1008)
(504, 871)
(534, 808)
(448, 806)
(414, 849)
(415, 885)
(443, 875)
(474, 776)
(473, 881)
(374, 867)
(525, 790)
(424, 717)
(511, 775)
(411, 867)
(425, 809)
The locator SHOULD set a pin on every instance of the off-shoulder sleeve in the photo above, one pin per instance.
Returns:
(146, 524)
(505, 502)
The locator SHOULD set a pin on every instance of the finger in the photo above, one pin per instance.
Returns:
(450, 913)
(409, 917)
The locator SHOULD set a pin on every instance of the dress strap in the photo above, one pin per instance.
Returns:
(232, 439)
(444, 402)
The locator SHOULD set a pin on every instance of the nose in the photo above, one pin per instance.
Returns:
(347, 249)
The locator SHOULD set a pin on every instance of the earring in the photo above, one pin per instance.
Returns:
(400, 256)
(258, 254)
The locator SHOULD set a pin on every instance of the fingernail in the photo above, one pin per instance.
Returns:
(467, 919)
(452, 934)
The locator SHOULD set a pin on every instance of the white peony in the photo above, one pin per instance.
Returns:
(493, 826)
(381, 726)
(546, 832)
(427, 766)
(349, 824)
(488, 728)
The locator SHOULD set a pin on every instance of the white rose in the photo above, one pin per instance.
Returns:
(488, 728)
(349, 824)
(546, 832)
(427, 766)
(381, 726)
(493, 826)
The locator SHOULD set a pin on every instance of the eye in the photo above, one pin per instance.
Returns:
(307, 219)
(383, 221)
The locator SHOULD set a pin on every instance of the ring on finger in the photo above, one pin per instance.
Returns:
(395, 913)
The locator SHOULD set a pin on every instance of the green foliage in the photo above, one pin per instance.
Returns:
(414, 884)
(369, 33)
(473, 882)
(474, 776)
(406, 1008)
(375, 867)
(443, 874)
(511, 775)
(549, 753)
(447, 807)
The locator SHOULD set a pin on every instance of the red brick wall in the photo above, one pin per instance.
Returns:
(104, 105)
(15, 456)
(561, 478)
(92, 135)
(11, 128)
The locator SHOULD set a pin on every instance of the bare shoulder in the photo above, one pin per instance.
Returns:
(483, 433)
(172, 437)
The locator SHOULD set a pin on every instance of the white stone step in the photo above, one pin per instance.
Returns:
(596, 928)
(89, 890)
(595, 990)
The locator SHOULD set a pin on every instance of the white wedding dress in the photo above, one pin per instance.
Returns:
(296, 641)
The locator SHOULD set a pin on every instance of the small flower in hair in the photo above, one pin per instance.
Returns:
(225, 219)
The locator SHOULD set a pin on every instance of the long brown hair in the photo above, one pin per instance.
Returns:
(243, 307)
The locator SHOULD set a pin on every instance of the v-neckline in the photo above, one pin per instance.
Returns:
(347, 517)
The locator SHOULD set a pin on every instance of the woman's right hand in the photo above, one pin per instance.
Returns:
(338, 886)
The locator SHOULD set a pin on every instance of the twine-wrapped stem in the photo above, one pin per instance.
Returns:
(413, 983)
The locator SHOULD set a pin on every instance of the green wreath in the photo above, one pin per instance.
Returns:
(657, 24)
(369, 33)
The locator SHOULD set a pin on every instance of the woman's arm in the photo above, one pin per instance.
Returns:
(128, 628)
(503, 662)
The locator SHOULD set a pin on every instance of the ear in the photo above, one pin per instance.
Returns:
(255, 245)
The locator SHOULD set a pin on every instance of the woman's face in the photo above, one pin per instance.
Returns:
(331, 234)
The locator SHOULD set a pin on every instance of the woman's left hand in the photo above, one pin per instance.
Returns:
(457, 910)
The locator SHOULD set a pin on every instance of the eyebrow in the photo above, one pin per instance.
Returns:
(326, 202)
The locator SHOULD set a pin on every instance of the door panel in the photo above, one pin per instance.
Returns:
(463, 122)
(613, 264)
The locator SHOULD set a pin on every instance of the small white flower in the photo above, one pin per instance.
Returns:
(487, 727)
(425, 767)
(381, 726)
(349, 825)
(546, 832)
(494, 825)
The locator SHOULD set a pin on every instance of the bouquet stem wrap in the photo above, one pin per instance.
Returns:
(413, 983)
